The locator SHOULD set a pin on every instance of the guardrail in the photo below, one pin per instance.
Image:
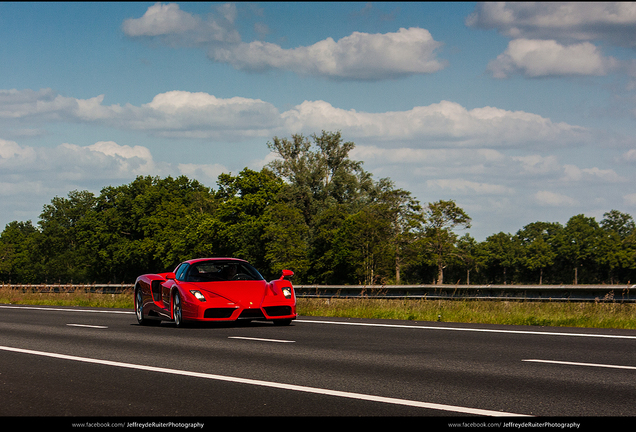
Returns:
(571, 293)
(70, 288)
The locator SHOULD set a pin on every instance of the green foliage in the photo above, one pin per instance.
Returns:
(439, 241)
(243, 203)
(502, 252)
(312, 210)
(19, 261)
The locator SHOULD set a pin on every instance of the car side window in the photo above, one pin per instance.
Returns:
(181, 271)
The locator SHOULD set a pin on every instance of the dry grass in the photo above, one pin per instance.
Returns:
(602, 314)
(596, 315)
(123, 300)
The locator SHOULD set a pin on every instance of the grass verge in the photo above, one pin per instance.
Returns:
(559, 314)
(77, 298)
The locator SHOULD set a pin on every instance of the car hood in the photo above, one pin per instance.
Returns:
(241, 292)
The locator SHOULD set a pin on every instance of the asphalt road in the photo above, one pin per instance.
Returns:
(96, 362)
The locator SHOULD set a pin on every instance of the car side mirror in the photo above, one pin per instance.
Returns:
(286, 273)
(171, 276)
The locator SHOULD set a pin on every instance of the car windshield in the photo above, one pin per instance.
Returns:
(215, 271)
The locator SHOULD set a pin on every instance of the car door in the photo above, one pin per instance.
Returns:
(168, 285)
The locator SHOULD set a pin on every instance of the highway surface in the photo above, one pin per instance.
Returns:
(63, 361)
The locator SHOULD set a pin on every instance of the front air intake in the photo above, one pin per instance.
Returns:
(218, 312)
(251, 314)
(278, 310)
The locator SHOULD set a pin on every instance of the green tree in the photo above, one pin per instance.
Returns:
(617, 250)
(620, 223)
(502, 251)
(401, 215)
(468, 255)
(327, 266)
(139, 227)
(61, 226)
(286, 238)
(20, 260)
(538, 244)
(539, 255)
(366, 236)
(328, 188)
(579, 241)
(439, 242)
(320, 174)
(243, 203)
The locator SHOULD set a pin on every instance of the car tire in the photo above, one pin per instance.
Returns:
(139, 309)
(177, 310)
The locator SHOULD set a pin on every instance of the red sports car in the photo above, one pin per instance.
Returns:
(214, 289)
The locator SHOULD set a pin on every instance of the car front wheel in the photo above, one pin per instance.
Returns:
(177, 310)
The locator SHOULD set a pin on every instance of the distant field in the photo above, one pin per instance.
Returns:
(580, 314)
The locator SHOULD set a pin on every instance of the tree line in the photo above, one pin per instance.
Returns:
(312, 210)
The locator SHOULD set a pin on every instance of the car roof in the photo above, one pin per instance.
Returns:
(195, 260)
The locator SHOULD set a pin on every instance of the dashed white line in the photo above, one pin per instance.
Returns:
(327, 392)
(581, 364)
(86, 325)
(260, 339)
(423, 327)
(470, 329)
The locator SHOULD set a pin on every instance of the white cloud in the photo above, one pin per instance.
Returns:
(96, 163)
(206, 174)
(30, 177)
(11, 153)
(538, 58)
(469, 187)
(573, 21)
(105, 161)
(629, 199)
(201, 115)
(407, 155)
(258, 164)
(360, 56)
(41, 104)
(537, 164)
(174, 113)
(179, 28)
(442, 124)
(629, 156)
(574, 173)
(552, 199)
(160, 19)
(111, 148)
(102, 161)
(180, 113)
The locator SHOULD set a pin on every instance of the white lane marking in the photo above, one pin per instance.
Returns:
(367, 324)
(581, 364)
(66, 310)
(86, 325)
(471, 329)
(315, 390)
(259, 339)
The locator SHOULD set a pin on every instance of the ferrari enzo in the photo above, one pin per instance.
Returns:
(213, 289)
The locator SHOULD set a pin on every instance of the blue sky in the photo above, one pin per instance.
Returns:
(518, 112)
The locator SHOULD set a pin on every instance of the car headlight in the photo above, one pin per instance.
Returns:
(287, 292)
(198, 295)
